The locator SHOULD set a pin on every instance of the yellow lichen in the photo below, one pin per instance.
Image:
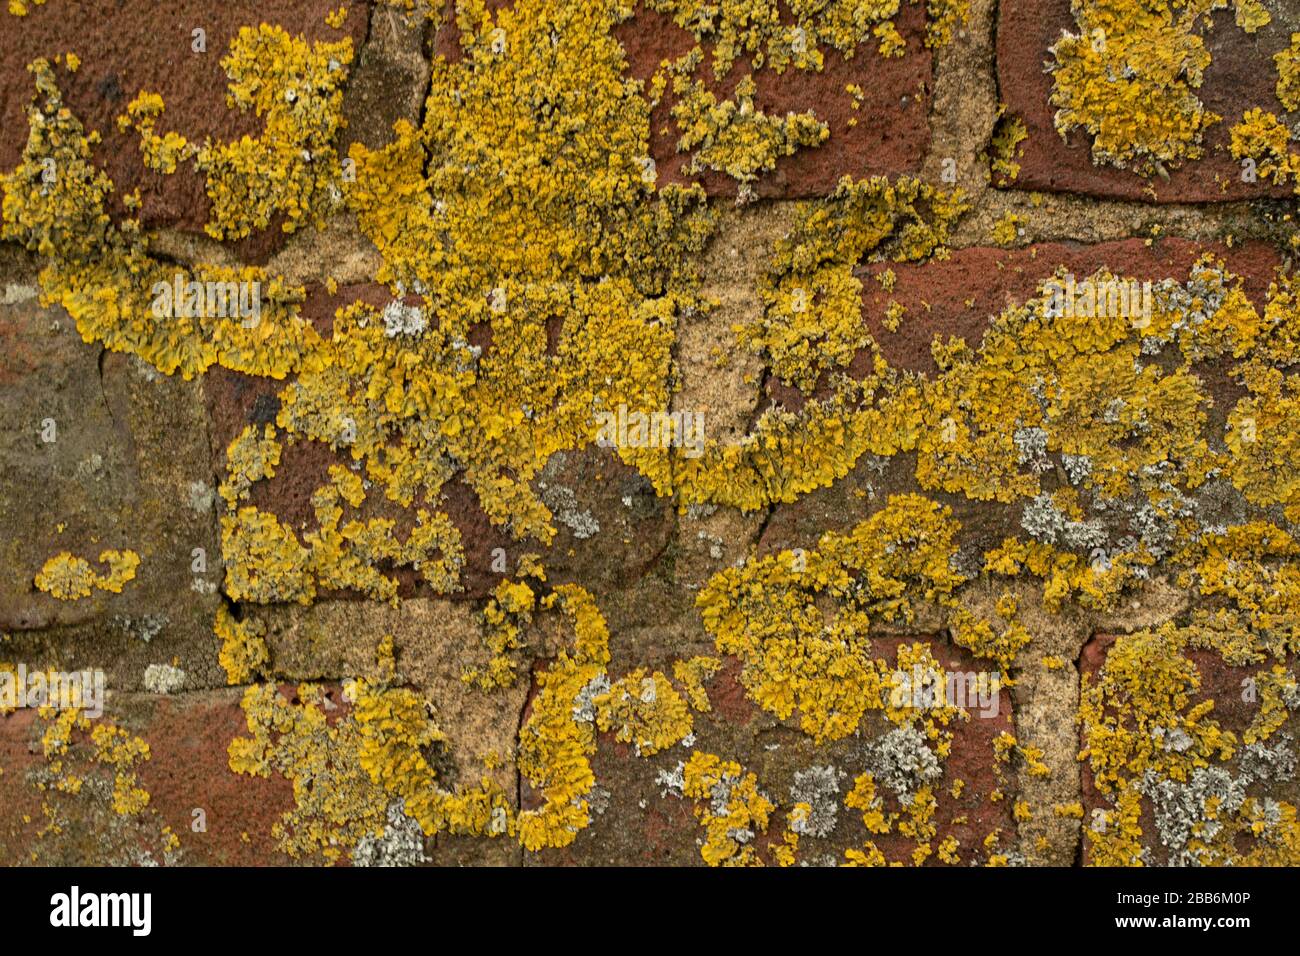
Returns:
(69, 578)
(729, 806)
(161, 153)
(1006, 146)
(1288, 74)
(733, 136)
(1264, 139)
(812, 321)
(1128, 76)
(291, 171)
(644, 709)
(244, 653)
(1007, 229)
(767, 612)
(693, 674)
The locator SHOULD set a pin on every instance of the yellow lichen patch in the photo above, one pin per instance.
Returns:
(497, 216)
(94, 760)
(733, 136)
(1277, 690)
(693, 674)
(1263, 440)
(787, 454)
(265, 561)
(66, 577)
(1007, 229)
(1146, 741)
(863, 798)
(1251, 15)
(812, 319)
(1129, 74)
(161, 153)
(798, 656)
(120, 750)
(1279, 339)
(291, 171)
(251, 457)
(92, 765)
(891, 41)
(559, 736)
(352, 774)
(553, 756)
(729, 806)
(893, 318)
(1000, 643)
(506, 615)
(1066, 576)
(1288, 74)
(69, 578)
(1148, 684)
(756, 28)
(870, 855)
(1006, 148)
(244, 654)
(644, 709)
(1250, 583)
(1265, 140)
(917, 823)
(1065, 373)
(54, 203)
(336, 804)
(945, 17)
(53, 200)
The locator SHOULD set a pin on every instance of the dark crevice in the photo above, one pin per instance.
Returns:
(762, 527)
(103, 393)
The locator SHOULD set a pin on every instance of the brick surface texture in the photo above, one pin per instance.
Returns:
(661, 439)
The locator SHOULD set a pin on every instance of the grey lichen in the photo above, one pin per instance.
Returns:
(1183, 810)
(1265, 761)
(819, 787)
(401, 843)
(901, 761)
(163, 679)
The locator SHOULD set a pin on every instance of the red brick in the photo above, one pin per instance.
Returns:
(644, 826)
(935, 293)
(892, 131)
(1221, 683)
(1240, 76)
(126, 46)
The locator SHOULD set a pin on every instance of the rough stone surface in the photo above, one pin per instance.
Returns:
(644, 576)
(126, 469)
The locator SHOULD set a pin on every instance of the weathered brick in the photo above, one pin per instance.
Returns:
(187, 770)
(594, 497)
(890, 135)
(640, 820)
(1236, 702)
(1240, 76)
(127, 469)
(140, 45)
(958, 296)
(936, 294)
